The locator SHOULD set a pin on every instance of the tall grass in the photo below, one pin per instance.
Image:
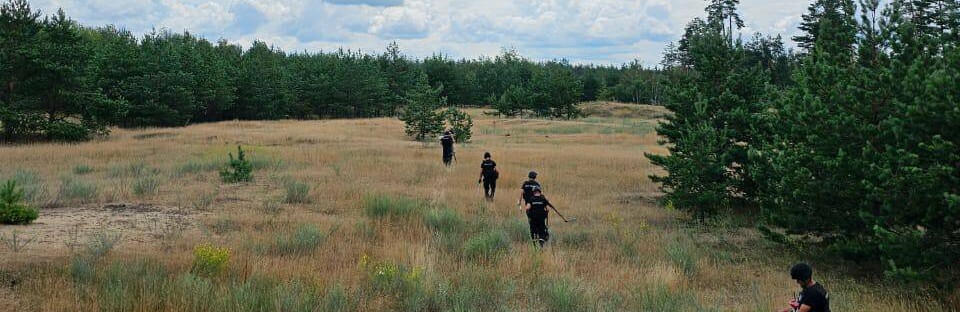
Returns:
(383, 206)
(33, 186)
(559, 295)
(683, 253)
(444, 220)
(452, 253)
(305, 239)
(296, 192)
(661, 298)
(146, 186)
(487, 246)
(81, 169)
(80, 190)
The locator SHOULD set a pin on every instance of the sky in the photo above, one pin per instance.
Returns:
(581, 31)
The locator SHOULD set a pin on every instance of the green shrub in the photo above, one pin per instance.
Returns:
(487, 246)
(380, 206)
(76, 189)
(81, 169)
(297, 192)
(210, 260)
(65, 131)
(12, 208)
(238, 169)
(305, 239)
(444, 220)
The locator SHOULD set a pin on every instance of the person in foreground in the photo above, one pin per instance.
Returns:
(813, 297)
(537, 216)
(488, 176)
(447, 140)
(526, 190)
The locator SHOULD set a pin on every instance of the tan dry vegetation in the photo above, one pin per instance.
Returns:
(623, 253)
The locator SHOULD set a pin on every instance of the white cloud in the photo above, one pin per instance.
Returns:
(412, 20)
(606, 31)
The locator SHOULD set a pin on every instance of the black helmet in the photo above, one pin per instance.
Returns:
(486, 155)
(448, 132)
(536, 189)
(532, 174)
(801, 272)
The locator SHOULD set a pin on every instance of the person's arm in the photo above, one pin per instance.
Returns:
(528, 207)
(793, 306)
(805, 308)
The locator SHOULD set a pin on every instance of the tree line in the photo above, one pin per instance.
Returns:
(848, 146)
(63, 81)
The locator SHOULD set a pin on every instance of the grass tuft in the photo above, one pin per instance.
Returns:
(683, 254)
(382, 206)
(304, 240)
(81, 169)
(487, 246)
(560, 295)
(73, 189)
(444, 220)
(146, 186)
(296, 192)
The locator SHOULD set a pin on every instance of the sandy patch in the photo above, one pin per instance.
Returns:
(137, 224)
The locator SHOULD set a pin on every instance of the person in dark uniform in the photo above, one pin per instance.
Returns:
(489, 176)
(526, 190)
(537, 216)
(813, 297)
(447, 141)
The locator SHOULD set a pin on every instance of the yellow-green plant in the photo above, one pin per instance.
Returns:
(210, 260)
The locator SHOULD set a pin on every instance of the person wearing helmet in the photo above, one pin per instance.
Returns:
(537, 212)
(447, 140)
(526, 190)
(813, 297)
(488, 176)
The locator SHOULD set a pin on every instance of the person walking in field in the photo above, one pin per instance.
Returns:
(813, 297)
(526, 190)
(488, 176)
(537, 212)
(447, 141)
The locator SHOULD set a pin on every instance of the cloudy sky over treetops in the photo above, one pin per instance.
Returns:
(582, 31)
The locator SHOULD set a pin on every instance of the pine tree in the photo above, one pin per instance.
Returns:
(420, 115)
(717, 100)
(460, 123)
(722, 15)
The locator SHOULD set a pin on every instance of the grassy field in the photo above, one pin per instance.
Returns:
(350, 215)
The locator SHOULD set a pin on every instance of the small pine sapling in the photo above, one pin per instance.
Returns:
(239, 169)
(12, 208)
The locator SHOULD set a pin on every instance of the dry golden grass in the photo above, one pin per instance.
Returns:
(160, 190)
